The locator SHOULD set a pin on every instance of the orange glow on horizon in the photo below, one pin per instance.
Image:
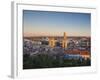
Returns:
(30, 34)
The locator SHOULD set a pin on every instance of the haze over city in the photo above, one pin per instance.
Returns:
(47, 23)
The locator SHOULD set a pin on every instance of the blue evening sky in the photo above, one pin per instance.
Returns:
(39, 23)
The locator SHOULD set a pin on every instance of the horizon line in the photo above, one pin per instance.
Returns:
(56, 36)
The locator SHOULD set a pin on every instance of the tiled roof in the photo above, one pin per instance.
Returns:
(77, 52)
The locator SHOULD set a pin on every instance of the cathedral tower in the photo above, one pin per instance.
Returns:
(64, 41)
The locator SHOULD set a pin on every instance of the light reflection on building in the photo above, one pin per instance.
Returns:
(64, 41)
(52, 41)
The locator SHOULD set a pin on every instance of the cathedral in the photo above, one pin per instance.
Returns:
(52, 41)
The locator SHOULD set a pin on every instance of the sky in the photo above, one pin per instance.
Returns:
(49, 23)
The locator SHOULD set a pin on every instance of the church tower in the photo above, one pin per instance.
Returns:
(64, 41)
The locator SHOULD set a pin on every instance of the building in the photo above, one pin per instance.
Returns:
(64, 41)
(51, 42)
(83, 54)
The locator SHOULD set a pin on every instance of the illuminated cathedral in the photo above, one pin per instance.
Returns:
(52, 41)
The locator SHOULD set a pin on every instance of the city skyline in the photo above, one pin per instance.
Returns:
(48, 23)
